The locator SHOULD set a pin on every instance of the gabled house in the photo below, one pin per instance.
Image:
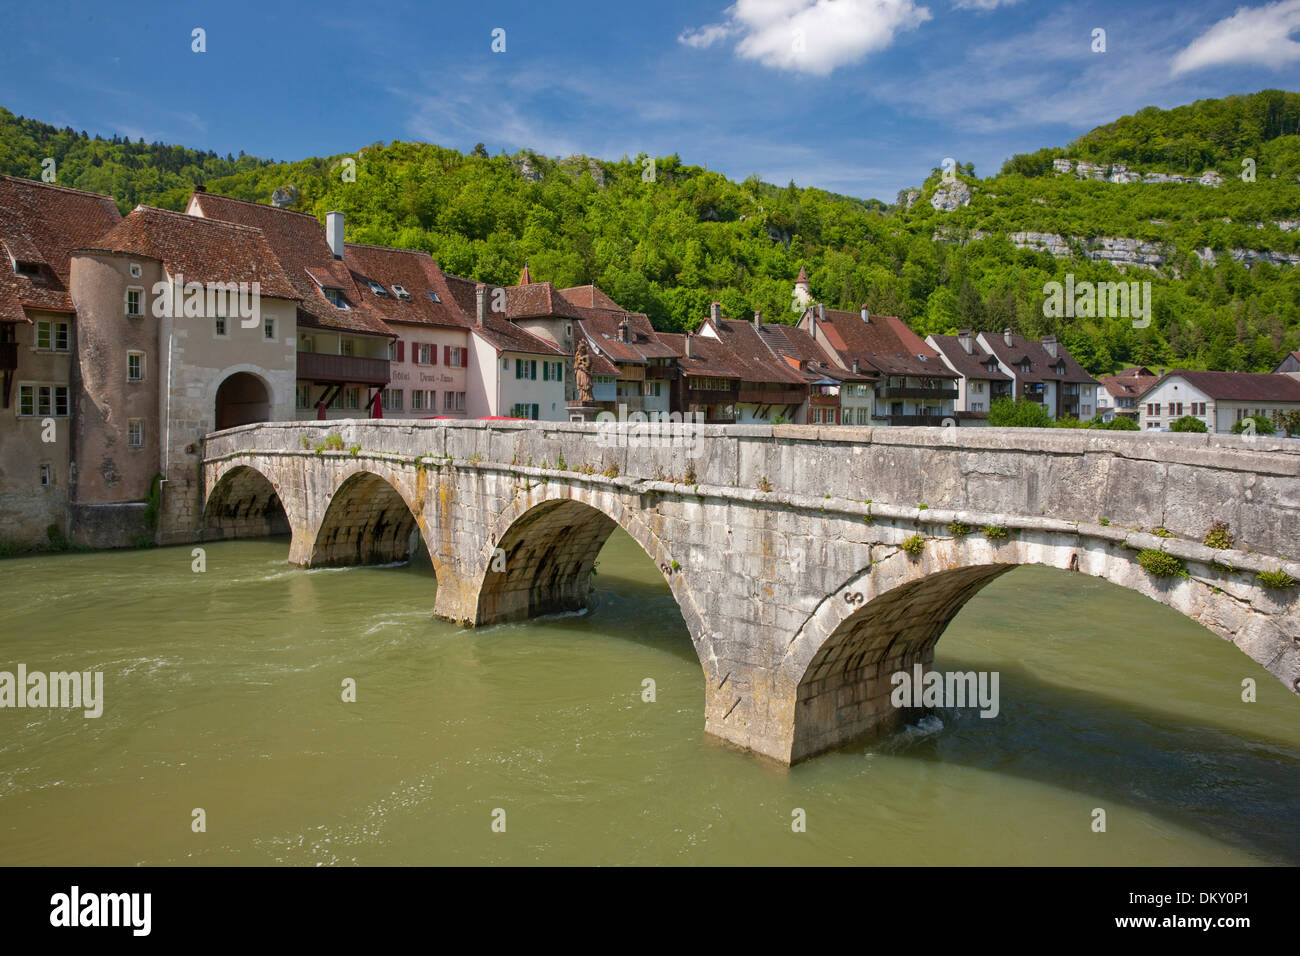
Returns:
(913, 385)
(1118, 394)
(1289, 365)
(429, 359)
(343, 344)
(768, 387)
(835, 396)
(1219, 399)
(981, 381)
(1044, 372)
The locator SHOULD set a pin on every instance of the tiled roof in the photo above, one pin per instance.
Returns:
(201, 250)
(885, 344)
(793, 343)
(972, 364)
(1041, 365)
(537, 300)
(1238, 386)
(590, 297)
(498, 331)
(1127, 385)
(40, 225)
(600, 364)
(753, 358)
(298, 241)
(417, 273)
(709, 356)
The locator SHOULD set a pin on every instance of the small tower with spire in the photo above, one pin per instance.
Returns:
(802, 289)
(524, 277)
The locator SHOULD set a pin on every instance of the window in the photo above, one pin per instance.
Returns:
(526, 368)
(334, 298)
(135, 433)
(43, 400)
(434, 296)
(455, 402)
(345, 346)
(220, 325)
(426, 355)
(524, 410)
(1086, 412)
(349, 398)
(135, 302)
(1176, 409)
(135, 366)
(417, 399)
(391, 398)
(377, 289)
(46, 477)
(1153, 408)
(456, 357)
(864, 416)
(303, 399)
(136, 271)
(268, 328)
(52, 335)
(552, 371)
(977, 388)
(650, 389)
(706, 384)
(400, 292)
(306, 343)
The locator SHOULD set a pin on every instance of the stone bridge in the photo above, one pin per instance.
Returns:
(809, 563)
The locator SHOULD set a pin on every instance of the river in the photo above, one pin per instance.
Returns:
(223, 692)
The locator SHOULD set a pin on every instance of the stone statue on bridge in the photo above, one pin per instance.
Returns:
(582, 374)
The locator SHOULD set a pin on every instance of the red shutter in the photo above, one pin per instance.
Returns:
(401, 351)
(446, 355)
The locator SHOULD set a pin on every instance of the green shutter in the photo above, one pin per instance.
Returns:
(532, 371)
(519, 368)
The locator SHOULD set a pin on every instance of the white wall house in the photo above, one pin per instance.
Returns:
(1219, 399)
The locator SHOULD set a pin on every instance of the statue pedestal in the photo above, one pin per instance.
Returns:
(582, 412)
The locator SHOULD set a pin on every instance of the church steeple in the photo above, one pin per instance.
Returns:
(524, 277)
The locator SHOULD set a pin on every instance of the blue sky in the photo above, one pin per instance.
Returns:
(862, 97)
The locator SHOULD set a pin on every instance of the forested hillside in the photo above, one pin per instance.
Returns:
(667, 239)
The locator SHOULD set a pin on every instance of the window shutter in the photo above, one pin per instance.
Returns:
(519, 368)
(546, 371)
(532, 371)
(401, 351)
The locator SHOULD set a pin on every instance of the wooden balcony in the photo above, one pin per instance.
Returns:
(323, 369)
(660, 371)
(762, 396)
(824, 401)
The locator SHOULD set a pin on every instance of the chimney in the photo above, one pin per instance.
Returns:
(821, 311)
(625, 331)
(200, 188)
(1049, 345)
(480, 296)
(715, 311)
(690, 353)
(758, 319)
(966, 342)
(1006, 337)
(334, 233)
(866, 313)
(855, 367)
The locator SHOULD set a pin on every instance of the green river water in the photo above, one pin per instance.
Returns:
(223, 691)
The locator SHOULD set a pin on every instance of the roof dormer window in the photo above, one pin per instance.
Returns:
(377, 289)
(434, 296)
(400, 292)
(335, 299)
(29, 269)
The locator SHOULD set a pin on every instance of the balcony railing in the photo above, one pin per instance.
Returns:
(910, 391)
(831, 401)
(760, 396)
(659, 371)
(8, 356)
(340, 369)
(709, 396)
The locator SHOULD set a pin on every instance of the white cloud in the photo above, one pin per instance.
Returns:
(810, 36)
(1252, 35)
(982, 4)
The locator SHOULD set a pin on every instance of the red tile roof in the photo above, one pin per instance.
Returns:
(40, 225)
(590, 297)
(796, 345)
(754, 359)
(298, 241)
(884, 343)
(417, 273)
(1126, 385)
(1041, 364)
(973, 364)
(201, 250)
(498, 331)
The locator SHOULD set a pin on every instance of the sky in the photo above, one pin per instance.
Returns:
(861, 97)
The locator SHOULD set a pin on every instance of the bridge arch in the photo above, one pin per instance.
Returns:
(540, 552)
(244, 502)
(370, 519)
(890, 616)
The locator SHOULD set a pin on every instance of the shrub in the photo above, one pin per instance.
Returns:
(1121, 424)
(914, 545)
(611, 471)
(1188, 423)
(1006, 412)
(957, 529)
(1276, 579)
(334, 442)
(355, 450)
(1219, 536)
(995, 532)
(1263, 425)
(921, 507)
(764, 484)
(1161, 564)
(1162, 532)
(689, 478)
(1104, 522)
